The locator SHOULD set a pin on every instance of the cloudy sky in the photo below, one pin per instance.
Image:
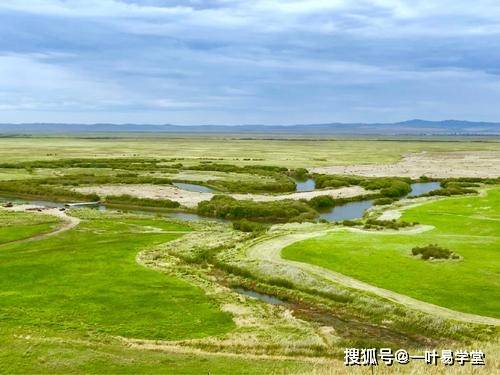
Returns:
(242, 61)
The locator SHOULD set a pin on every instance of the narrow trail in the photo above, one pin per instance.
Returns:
(270, 251)
(68, 222)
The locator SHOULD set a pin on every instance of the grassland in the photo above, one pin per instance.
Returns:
(132, 293)
(469, 226)
(231, 149)
(87, 280)
(19, 225)
(85, 284)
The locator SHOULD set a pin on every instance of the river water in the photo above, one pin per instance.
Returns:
(348, 211)
(260, 296)
(306, 185)
(356, 210)
(193, 187)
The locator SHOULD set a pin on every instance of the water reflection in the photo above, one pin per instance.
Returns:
(306, 185)
(193, 187)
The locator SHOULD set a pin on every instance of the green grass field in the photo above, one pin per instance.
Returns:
(469, 226)
(19, 225)
(72, 293)
(87, 279)
(289, 153)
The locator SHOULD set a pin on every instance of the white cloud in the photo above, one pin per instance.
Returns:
(377, 18)
(230, 58)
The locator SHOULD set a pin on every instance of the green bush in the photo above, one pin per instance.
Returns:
(451, 190)
(383, 201)
(33, 189)
(433, 251)
(321, 202)
(226, 207)
(146, 202)
(396, 189)
(334, 181)
(300, 174)
(350, 223)
(281, 184)
(391, 224)
(248, 226)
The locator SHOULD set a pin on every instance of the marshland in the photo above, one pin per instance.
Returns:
(209, 258)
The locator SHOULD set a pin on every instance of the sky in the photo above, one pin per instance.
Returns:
(248, 61)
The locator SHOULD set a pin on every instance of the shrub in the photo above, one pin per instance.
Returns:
(383, 201)
(33, 188)
(299, 174)
(451, 190)
(130, 200)
(392, 224)
(248, 226)
(281, 184)
(396, 189)
(433, 251)
(350, 223)
(226, 207)
(335, 181)
(321, 202)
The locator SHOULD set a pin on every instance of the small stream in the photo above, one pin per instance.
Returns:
(193, 187)
(348, 211)
(260, 296)
(305, 185)
(420, 188)
(356, 210)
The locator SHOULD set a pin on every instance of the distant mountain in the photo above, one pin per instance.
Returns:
(410, 127)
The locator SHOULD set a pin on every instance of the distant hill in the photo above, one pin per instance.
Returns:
(410, 127)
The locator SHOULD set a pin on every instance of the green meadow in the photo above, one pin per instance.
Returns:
(20, 225)
(65, 299)
(469, 226)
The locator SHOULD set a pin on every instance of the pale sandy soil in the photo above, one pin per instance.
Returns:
(451, 164)
(345, 192)
(192, 198)
(390, 215)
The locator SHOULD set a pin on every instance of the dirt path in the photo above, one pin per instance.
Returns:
(270, 251)
(68, 222)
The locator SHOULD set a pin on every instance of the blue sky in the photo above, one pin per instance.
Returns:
(241, 61)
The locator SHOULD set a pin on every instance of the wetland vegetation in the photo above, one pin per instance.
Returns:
(147, 285)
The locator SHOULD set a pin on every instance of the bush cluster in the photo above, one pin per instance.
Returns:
(350, 223)
(396, 189)
(253, 169)
(391, 224)
(248, 226)
(334, 181)
(300, 174)
(391, 187)
(433, 251)
(450, 190)
(226, 207)
(31, 188)
(281, 184)
(384, 200)
(321, 202)
(146, 202)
